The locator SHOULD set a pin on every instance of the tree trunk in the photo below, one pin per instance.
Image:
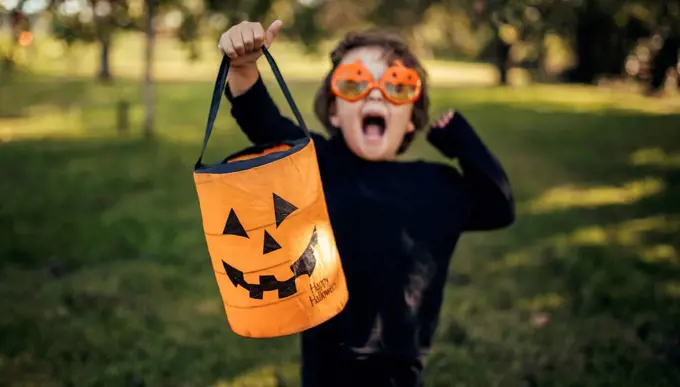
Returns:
(14, 26)
(666, 58)
(502, 59)
(8, 58)
(148, 74)
(586, 46)
(104, 74)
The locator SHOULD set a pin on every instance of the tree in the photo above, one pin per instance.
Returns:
(92, 21)
(602, 33)
(18, 23)
(668, 14)
(152, 9)
(150, 12)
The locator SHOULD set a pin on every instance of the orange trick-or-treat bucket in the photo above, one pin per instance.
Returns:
(268, 233)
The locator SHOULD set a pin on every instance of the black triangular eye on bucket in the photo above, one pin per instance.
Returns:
(282, 209)
(234, 226)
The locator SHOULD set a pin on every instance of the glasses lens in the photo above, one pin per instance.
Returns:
(351, 89)
(400, 91)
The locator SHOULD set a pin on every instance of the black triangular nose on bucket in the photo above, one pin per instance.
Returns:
(270, 244)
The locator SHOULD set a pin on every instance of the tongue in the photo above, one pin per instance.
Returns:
(373, 131)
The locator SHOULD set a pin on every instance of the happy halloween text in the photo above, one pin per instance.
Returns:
(320, 290)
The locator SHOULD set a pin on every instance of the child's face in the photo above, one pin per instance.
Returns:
(372, 127)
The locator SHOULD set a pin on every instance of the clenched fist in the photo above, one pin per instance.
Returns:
(243, 42)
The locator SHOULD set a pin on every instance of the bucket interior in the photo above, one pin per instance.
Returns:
(255, 152)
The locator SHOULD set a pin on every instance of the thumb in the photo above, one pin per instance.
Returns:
(272, 31)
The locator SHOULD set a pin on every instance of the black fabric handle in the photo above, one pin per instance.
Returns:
(220, 84)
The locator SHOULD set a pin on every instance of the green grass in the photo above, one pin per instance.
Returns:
(105, 278)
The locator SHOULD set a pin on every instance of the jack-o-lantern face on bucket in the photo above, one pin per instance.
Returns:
(304, 265)
(270, 241)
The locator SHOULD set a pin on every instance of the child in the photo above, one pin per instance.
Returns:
(396, 223)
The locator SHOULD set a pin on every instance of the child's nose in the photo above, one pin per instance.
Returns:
(375, 95)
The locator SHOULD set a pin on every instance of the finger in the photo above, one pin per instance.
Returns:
(247, 36)
(258, 36)
(229, 49)
(223, 42)
(237, 41)
(272, 31)
(446, 119)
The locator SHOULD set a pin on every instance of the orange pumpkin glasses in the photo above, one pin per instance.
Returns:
(399, 84)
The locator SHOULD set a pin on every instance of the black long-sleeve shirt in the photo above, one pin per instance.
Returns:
(396, 225)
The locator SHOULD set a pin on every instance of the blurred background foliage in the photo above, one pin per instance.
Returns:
(557, 40)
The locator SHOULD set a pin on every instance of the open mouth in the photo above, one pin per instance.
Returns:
(373, 125)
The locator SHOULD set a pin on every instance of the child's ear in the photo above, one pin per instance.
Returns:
(411, 127)
(333, 115)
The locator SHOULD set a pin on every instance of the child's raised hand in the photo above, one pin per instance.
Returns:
(243, 42)
(443, 134)
(444, 120)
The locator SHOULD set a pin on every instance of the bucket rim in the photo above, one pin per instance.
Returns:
(224, 166)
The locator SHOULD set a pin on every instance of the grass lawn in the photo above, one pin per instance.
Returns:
(105, 279)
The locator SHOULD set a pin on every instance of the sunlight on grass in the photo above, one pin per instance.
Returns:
(655, 157)
(264, 376)
(46, 123)
(578, 98)
(630, 233)
(518, 259)
(569, 196)
(659, 253)
(523, 258)
(542, 302)
(634, 234)
(672, 289)
(594, 235)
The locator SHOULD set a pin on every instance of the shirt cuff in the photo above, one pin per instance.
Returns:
(255, 90)
(249, 107)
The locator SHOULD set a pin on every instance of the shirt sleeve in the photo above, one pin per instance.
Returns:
(485, 180)
(259, 118)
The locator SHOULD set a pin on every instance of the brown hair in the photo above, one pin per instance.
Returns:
(394, 48)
